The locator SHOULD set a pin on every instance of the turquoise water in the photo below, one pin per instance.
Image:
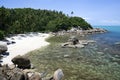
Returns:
(108, 40)
(113, 33)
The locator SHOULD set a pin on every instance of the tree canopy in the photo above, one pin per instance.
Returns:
(21, 20)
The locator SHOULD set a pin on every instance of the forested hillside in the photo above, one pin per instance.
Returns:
(13, 21)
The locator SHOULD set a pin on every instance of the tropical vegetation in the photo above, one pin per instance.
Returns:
(22, 20)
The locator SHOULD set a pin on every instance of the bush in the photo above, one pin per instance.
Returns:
(1, 35)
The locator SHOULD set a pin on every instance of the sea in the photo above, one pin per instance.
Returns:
(109, 41)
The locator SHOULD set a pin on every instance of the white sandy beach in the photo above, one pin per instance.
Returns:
(24, 44)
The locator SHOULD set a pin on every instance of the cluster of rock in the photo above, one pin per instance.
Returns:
(94, 30)
(73, 42)
(80, 31)
(22, 70)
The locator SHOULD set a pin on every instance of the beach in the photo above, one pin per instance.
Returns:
(24, 43)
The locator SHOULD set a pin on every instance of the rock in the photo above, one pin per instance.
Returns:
(116, 60)
(101, 53)
(74, 40)
(83, 42)
(34, 76)
(22, 62)
(11, 42)
(79, 46)
(17, 74)
(66, 56)
(72, 46)
(66, 44)
(12, 66)
(117, 56)
(12, 74)
(91, 41)
(117, 43)
(0, 65)
(105, 49)
(32, 66)
(58, 74)
(3, 47)
(5, 53)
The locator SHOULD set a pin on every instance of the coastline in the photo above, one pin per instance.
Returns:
(24, 43)
(94, 56)
(21, 44)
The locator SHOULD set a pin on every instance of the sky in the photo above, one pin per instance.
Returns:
(95, 12)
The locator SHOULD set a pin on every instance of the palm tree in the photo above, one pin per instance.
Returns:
(72, 13)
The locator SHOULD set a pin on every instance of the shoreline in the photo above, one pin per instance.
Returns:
(21, 44)
(24, 43)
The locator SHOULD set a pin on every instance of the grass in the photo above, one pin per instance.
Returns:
(82, 64)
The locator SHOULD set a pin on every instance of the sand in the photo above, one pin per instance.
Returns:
(24, 44)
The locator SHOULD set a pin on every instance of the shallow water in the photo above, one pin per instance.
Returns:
(97, 61)
(108, 40)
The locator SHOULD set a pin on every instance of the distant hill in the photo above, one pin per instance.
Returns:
(21, 20)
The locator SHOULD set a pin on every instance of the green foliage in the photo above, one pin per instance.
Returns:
(1, 35)
(59, 24)
(78, 21)
(28, 20)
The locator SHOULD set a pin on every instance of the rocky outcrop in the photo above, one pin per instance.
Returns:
(21, 62)
(80, 31)
(76, 43)
(7, 73)
(94, 30)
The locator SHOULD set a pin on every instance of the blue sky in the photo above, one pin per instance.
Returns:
(96, 12)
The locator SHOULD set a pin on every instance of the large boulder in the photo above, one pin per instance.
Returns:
(3, 47)
(22, 62)
(74, 40)
(58, 74)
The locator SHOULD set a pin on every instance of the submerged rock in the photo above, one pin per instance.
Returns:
(66, 56)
